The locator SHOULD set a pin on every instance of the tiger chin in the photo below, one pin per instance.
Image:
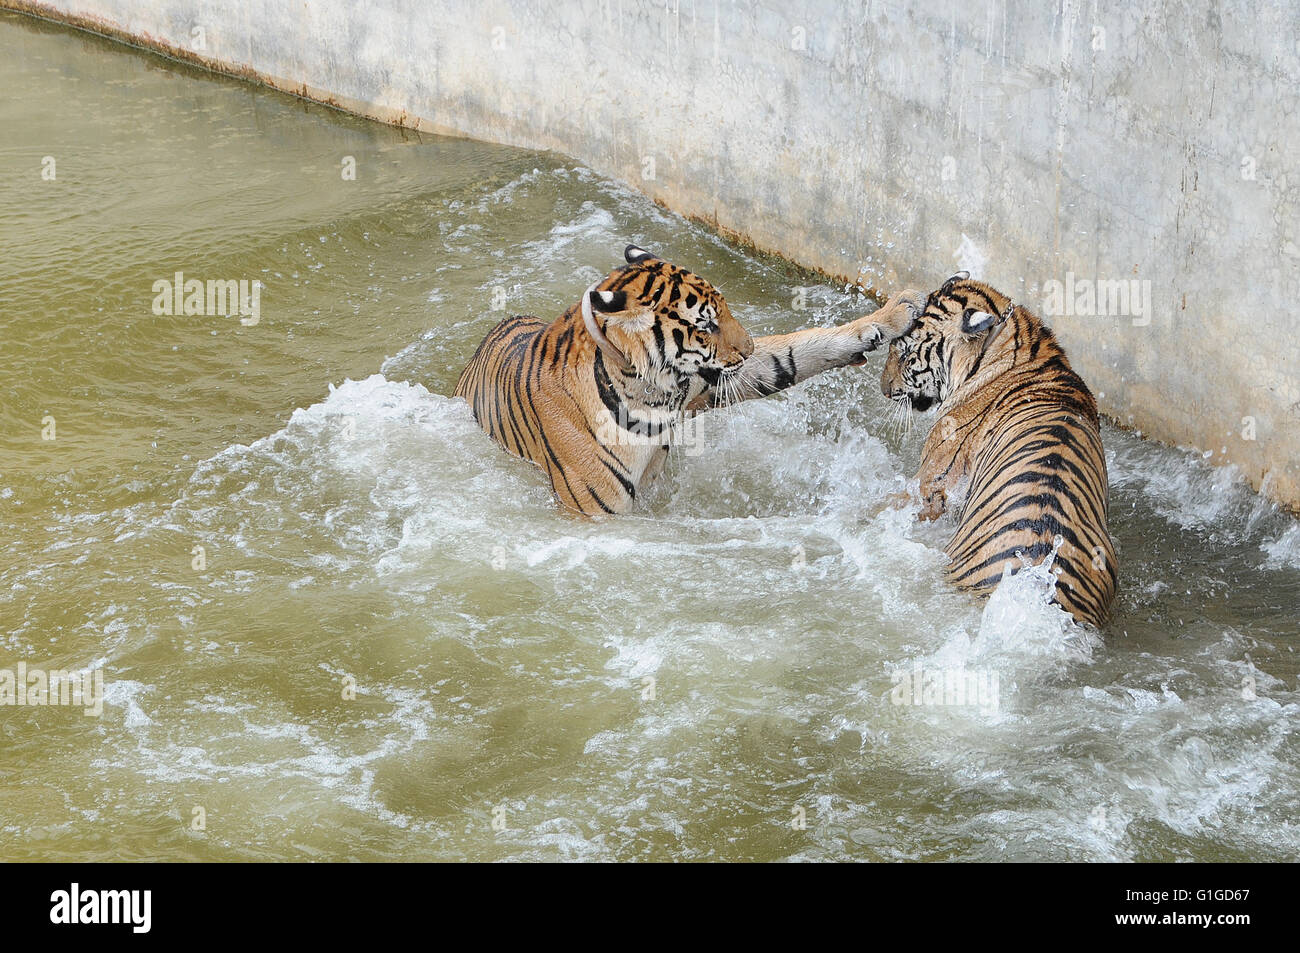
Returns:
(1016, 449)
(595, 396)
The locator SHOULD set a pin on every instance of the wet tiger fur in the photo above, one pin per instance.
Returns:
(593, 397)
(1016, 448)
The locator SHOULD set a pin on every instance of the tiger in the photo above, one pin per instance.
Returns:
(595, 397)
(1016, 451)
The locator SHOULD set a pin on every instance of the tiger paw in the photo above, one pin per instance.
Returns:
(891, 320)
(931, 509)
(870, 338)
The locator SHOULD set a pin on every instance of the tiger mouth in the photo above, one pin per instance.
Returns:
(726, 372)
(919, 402)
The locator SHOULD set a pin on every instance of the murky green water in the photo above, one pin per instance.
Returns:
(685, 683)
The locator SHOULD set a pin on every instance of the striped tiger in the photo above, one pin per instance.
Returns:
(594, 398)
(1016, 449)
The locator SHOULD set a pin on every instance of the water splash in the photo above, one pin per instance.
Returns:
(1021, 622)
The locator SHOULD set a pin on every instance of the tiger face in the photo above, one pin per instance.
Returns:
(668, 321)
(944, 345)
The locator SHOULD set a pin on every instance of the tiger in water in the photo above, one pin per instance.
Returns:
(593, 397)
(1016, 449)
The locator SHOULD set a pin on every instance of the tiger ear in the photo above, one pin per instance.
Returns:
(959, 276)
(608, 302)
(635, 254)
(977, 322)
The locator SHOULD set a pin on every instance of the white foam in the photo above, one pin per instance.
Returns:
(1284, 552)
(592, 229)
(1020, 618)
(125, 694)
(1184, 489)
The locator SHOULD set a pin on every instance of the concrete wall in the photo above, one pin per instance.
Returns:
(889, 143)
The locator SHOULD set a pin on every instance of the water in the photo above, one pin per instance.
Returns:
(690, 682)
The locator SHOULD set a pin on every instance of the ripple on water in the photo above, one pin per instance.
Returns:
(680, 680)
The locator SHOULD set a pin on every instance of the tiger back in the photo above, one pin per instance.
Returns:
(1016, 450)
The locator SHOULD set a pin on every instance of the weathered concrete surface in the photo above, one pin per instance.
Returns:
(889, 143)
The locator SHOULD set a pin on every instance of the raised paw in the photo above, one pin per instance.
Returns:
(892, 320)
(901, 310)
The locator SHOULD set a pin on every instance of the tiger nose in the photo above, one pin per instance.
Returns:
(736, 343)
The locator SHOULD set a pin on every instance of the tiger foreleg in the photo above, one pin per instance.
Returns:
(780, 361)
(936, 475)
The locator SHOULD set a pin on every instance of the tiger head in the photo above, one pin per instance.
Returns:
(667, 322)
(945, 344)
